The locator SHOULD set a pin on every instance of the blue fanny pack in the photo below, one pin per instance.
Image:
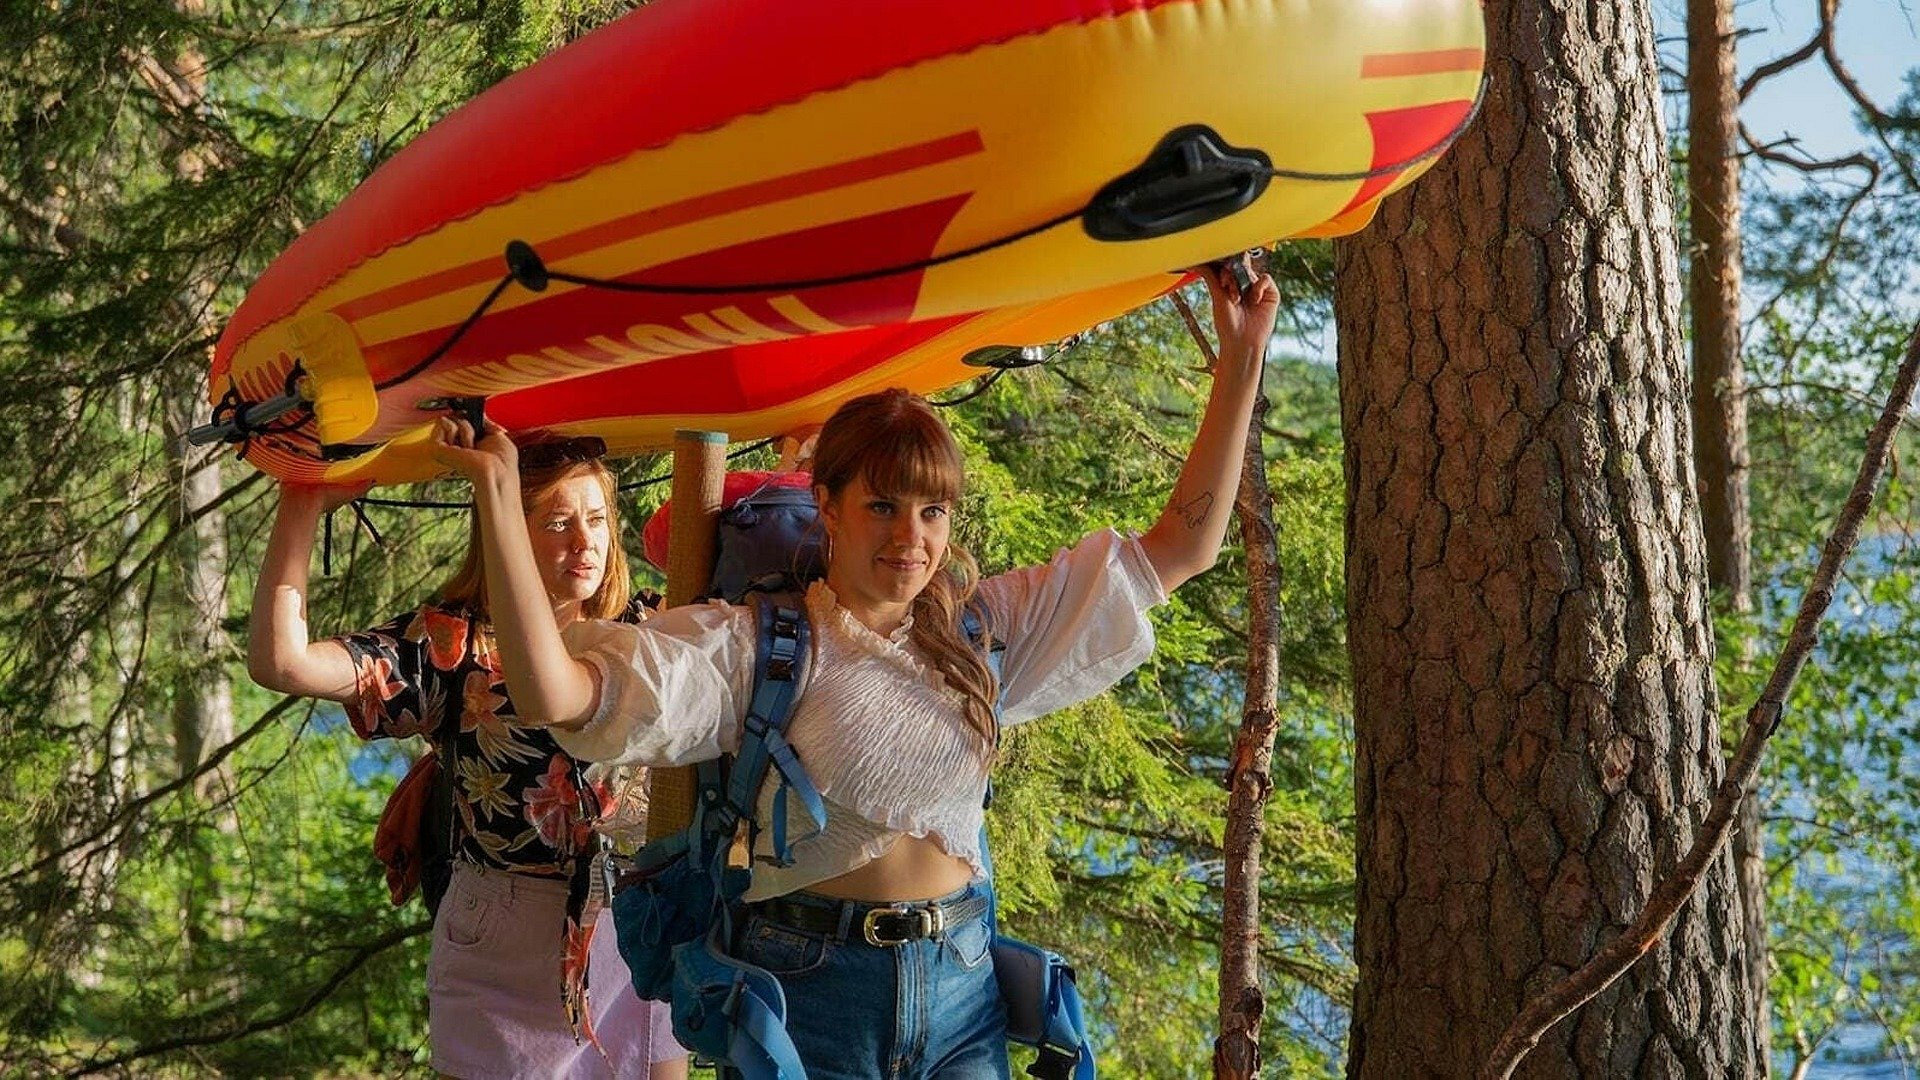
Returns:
(677, 912)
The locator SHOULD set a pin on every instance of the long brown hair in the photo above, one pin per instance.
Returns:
(896, 443)
(468, 586)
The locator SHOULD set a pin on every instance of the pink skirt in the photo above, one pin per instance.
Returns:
(493, 988)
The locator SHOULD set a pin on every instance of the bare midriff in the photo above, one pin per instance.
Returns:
(914, 868)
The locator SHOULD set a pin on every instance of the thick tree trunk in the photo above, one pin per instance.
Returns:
(1534, 699)
(1719, 400)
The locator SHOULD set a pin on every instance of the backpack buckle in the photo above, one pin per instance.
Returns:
(910, 924)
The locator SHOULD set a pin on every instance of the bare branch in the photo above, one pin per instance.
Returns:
(1763, 718)
(373, 23)
(1780, 64)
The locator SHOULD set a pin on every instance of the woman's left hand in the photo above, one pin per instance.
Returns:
(1242, 322)
(489, 456)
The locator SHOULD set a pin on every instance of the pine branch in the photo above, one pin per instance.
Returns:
(108, 832)
(360, 957)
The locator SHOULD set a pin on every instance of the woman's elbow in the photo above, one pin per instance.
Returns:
(1175, 564)
(1181, 571)
(269, 673)
(533, 713)
(287, 671)
(568, 712)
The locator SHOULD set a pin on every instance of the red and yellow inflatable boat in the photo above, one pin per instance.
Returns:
(733, 214)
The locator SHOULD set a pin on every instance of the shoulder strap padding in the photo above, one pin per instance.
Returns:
(781, 653)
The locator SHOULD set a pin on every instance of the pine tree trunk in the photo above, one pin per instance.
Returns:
(196, 587)
(203, 695)
(1719, 379)
(1527, 611)
(1719, 400)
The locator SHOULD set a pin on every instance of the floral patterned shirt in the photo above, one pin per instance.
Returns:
(524, 805)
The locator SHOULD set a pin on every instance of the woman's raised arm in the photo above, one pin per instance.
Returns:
(280, 654)
(548, 687)
(1186, 539)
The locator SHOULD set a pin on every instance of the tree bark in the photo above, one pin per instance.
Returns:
(1236, 1054)
(1720, 455)
(1719, 379)
(1527, 612)
(202, 694)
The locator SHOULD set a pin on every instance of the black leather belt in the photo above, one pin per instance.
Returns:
(884, 925)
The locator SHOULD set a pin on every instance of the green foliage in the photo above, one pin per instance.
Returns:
(1108, 817)
(1835, 282)
(232, 920)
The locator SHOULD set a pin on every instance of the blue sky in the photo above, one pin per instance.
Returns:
(1878, 40)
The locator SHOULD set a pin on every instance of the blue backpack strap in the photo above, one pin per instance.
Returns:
(779, 661)
(1066, 1054)
(973, 622)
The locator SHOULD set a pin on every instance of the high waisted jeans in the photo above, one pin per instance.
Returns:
(924, 1010)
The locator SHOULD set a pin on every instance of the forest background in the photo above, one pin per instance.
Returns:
(185, 865)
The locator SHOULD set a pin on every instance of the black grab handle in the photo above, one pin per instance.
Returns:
(1191, 178)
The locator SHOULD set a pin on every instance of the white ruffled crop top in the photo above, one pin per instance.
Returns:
(884, 738)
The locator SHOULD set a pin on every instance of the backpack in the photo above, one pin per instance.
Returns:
(767, 536)
(769, 539)
(414, 838)
(675, 914)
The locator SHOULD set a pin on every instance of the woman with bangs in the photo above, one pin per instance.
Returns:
(896, 722)
(514, 949)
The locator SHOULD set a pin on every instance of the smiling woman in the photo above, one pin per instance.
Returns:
(876, 924)
(514, 940)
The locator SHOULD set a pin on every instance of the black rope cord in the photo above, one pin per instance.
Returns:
(452, 339)
(525, 267)
(985, 385)
(1000, 367)
(649, 481)
(326, 534)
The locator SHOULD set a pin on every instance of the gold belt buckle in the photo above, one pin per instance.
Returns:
(933, 921)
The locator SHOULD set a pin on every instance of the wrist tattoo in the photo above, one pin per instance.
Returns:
(1194, 512)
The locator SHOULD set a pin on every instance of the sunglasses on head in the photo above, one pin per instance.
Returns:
(551, 452)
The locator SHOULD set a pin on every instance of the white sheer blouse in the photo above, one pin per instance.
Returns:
(884, 738)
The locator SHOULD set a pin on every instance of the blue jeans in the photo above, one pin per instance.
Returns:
(923, 1010)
